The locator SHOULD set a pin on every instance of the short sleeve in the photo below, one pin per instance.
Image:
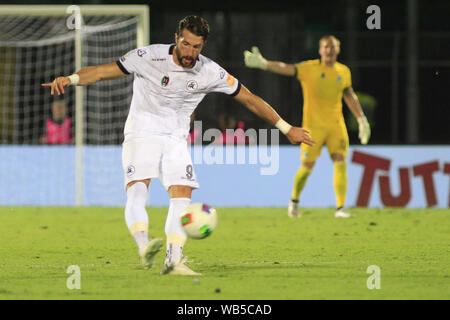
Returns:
(224, 82)
(348, 77)
(300, 71)
(131, 62)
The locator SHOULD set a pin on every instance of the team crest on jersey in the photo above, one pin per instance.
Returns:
(322, 75)
(141, 52)
(192, 85)
(339, 79)
(130, 170)
(165, 81)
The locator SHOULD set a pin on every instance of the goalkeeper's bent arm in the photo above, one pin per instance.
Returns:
(352, 101)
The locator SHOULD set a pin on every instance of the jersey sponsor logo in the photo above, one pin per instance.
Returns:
(141, 52)
(231, 80)
(130, 170)
(159, 59)
(192, 85)
(165, 81)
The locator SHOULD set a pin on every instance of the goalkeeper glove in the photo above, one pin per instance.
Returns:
(364, 129)
(255, 59)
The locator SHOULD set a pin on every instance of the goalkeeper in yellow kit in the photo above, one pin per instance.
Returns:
(324, 83)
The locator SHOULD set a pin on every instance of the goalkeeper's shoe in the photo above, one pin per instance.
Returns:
(340, 213)
(179, 268)
(150, 251)
(293, 211)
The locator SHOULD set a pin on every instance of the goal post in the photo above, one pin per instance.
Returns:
(102, 32)
(141, 11)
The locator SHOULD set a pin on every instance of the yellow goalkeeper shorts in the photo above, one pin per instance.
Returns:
(334, 137)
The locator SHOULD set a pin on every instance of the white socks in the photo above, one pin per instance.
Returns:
(136, 216)
(141, 238)
(176, 237)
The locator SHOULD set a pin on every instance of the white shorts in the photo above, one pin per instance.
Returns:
(157, 156)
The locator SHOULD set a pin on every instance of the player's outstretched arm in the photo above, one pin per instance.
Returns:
(263, 110)
(352, 101)
(85, 76)
(254, 59)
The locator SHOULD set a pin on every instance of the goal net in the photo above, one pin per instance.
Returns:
(55, 149)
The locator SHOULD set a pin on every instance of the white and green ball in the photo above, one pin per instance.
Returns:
(199, 220)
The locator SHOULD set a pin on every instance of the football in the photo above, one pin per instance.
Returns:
(199, 220)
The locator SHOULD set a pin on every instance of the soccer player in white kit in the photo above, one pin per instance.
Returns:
(169, 82)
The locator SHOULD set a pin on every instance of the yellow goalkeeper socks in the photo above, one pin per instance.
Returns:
(300, 181)
(340, 182)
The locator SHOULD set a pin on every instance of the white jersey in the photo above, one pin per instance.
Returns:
(166, 94)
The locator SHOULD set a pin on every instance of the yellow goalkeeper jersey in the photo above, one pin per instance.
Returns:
(322, 92)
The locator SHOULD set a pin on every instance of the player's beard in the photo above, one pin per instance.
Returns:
(182, 61)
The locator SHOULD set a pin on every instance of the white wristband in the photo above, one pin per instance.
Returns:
(283, 126)
(74, 79)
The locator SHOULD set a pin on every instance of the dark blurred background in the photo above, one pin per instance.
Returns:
(400, 72)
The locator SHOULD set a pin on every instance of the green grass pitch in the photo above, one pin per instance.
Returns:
(255, 253)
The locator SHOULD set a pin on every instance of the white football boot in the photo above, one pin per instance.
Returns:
(149, 252)
(179, 268)
(293, 210)
(340, 213)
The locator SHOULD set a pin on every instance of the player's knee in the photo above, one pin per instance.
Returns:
(137, 195)
(337, 157)
(145, 181)
(180, 191)
(309, 165)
